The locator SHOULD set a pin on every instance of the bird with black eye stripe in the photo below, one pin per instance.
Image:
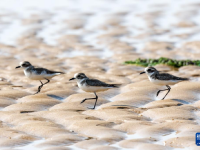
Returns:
(91, 85)
(34, 73)
(162, 79)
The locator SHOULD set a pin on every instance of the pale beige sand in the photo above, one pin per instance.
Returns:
(97, 41)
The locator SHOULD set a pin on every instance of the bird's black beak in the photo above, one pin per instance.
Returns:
(17, 67)
(72, 79)
(142, 72)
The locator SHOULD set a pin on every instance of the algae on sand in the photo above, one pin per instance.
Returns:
(163, 60)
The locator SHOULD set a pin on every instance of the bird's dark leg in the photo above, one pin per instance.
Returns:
(47, 81)
(160, 91)
(168, 88)
(90, 99)
(96, 100)
(39, 88)
(86, 99)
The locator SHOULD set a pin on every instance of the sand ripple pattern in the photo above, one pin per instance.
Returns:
(96, 37)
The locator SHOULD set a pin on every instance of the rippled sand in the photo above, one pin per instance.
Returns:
(96, 37)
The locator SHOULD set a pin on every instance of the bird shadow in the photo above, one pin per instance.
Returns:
(181, 101)
(123, 106)
(55, 96)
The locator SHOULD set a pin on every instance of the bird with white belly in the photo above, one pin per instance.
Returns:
(34, 73)
(162, 79)
(91, 85)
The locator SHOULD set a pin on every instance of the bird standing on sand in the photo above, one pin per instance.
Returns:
(162, 79)
(91, 85)
(37, 73)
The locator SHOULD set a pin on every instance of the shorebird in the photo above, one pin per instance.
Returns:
(37, 73)
(91, 85)
(162, 79)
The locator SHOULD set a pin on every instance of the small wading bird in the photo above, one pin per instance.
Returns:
(162, 79)
(91, 85)
(37, 73)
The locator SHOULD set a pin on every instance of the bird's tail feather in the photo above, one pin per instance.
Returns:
(60, 72)
(185, 79)
(114, 85)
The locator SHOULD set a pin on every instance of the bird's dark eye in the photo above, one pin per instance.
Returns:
(25, 65)
(149, 70)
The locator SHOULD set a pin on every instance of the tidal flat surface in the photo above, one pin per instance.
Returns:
(96, 37)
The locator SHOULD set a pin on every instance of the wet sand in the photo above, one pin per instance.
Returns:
(96, 38)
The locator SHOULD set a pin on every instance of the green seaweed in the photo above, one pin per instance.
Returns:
(167, 61)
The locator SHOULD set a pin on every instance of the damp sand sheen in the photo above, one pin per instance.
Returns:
(96, 38)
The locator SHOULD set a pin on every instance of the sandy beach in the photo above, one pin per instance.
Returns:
(96, 38)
